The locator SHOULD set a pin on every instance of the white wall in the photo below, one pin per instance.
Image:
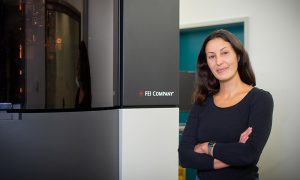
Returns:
(273, 46)
(148, 142)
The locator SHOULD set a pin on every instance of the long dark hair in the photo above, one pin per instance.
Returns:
(207, 83)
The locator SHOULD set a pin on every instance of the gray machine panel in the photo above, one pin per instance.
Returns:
(68, 145)
(187, 85)
(150, 52)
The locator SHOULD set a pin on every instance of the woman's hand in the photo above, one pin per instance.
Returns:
(245, 135)
(201, 148)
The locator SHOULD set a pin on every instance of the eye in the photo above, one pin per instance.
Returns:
(224, 52)
(211, 57)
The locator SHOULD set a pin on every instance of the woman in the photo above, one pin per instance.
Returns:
(231, 120)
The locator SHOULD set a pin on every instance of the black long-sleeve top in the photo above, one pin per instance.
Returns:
(208, 122)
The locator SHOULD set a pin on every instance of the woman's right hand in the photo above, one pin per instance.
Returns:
(245, 135)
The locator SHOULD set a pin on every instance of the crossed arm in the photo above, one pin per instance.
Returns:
(202, 148)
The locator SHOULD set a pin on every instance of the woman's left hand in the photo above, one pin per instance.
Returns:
(245, 135)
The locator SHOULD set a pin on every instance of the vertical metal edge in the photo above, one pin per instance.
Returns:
(120, 114)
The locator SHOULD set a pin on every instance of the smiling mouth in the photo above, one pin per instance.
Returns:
(221, 70)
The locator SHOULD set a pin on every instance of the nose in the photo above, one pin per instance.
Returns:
(219, 60)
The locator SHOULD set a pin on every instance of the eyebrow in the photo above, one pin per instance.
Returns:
(220, 49)
(223, 48)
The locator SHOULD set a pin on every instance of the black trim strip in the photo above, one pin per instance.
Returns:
(82, 110)
(149, 106)
(60, 110)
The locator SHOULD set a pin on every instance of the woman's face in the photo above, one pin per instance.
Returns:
(221, 59)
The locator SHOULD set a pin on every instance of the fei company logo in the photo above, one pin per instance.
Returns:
(146, 93)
